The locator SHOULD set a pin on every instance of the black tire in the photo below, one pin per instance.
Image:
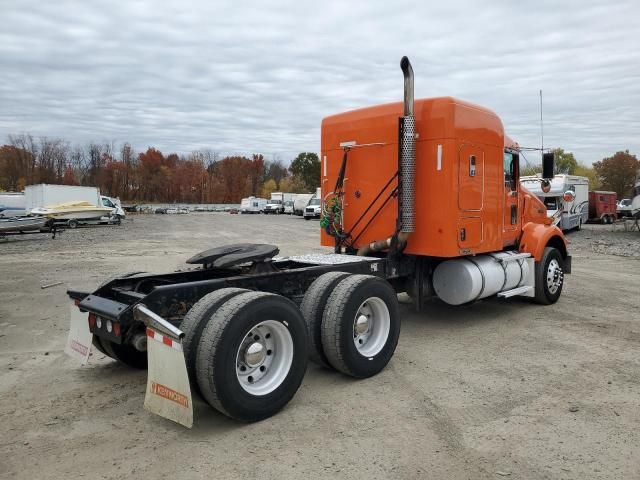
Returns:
(72, 224)
(313, 306)
(544, 294)
(338, 325)
(217, 355)
(98, 344)
(196, 320)
(306, 218)
(124, 353)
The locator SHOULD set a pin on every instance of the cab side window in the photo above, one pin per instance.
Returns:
(511, 170)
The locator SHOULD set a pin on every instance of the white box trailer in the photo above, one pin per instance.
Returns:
(301, 202)
(252, 205)
(12, 204)
(44, 195)
(566, 213)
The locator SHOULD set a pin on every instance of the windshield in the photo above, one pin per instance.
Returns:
(275, 202)
(314, 201)
(551, 203)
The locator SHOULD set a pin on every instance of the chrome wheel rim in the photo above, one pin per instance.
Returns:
(555, 276)
(264, 357)
(371, 326)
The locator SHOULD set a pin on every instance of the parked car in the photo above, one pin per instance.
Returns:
(624, 208)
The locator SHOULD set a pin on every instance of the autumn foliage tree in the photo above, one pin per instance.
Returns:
(618, 172)
(149, 176)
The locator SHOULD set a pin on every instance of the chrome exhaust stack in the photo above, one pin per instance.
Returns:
(407, 155)
(407, 172)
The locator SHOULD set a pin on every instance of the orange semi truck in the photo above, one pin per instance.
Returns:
(419, 196)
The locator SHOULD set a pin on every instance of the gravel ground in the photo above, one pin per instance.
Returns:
(607, 239)
(500, 389)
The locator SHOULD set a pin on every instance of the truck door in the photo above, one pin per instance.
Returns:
(471, 179)
(511, 195)
(470, 196)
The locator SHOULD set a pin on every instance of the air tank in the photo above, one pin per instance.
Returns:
(467, 279)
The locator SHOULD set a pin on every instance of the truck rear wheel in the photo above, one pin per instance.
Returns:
(549, 275)
(313, 306)
(196, 320)
(98, 344)
(252, 356)
(125, 353)
(360, 326)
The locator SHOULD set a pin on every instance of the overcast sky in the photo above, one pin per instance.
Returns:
(237, 79)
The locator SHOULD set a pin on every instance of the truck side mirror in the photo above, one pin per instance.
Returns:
(547, 165)
(569, 196)
(545, 185)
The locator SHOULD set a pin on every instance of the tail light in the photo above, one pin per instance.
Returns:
(92, 320)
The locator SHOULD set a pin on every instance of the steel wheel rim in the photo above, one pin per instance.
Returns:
(371, 326)
(555, 275)
(264, 357)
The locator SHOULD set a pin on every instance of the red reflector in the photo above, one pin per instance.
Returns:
(92, 320)
(116, 329)
(76, 302)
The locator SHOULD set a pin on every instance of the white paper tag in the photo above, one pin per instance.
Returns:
(80, 337)
(168, 391)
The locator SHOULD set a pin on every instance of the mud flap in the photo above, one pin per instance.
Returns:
(168, 390)
(80, 337)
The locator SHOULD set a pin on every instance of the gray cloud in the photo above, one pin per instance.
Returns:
(259, 78)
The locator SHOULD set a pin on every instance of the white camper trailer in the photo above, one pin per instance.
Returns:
(635, 198)
(566, 212)
(252, 205)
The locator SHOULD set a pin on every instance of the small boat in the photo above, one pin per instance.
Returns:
(73, 211)
(22, 224)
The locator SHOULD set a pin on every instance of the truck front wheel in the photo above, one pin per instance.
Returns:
(549, 276)
(252, 356)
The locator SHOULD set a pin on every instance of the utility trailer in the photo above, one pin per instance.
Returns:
(239, 326)
(602, 206)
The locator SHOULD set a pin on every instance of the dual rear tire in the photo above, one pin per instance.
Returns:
(246, 352)
(353, 323)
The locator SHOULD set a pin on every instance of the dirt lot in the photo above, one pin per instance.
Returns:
(501, 389)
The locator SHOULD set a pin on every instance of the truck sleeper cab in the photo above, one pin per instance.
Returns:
(423, 199)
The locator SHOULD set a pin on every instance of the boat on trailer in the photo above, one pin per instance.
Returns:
(22, 224)
(73, 211)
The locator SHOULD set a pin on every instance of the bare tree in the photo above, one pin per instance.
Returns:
(276, 170)
(28, 153)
